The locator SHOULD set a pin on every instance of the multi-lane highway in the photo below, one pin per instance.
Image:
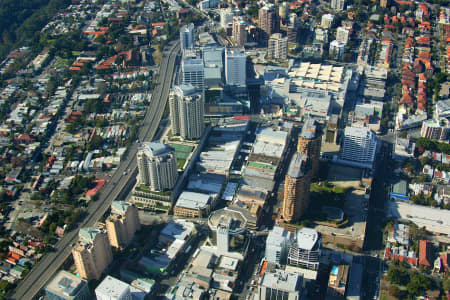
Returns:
(125, 173)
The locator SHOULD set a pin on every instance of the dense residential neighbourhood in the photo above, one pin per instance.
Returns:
(206, 149)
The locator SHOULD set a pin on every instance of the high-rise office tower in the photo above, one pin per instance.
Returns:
(239, 32)
(92, 253)
(122, 223)
(359, 145)
(226, 18)
(309, 142)
(67, 286)
(268, 21)
(193, 71)
(235, 67)
(187, 36)
(157, 166)
(305, 251)
(337, 4)
(186, 111)
(296, 188)
(278, 46)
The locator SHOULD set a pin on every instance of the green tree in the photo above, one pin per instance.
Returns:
(418, 283)
(446, 284)
(397, 275)
(394, 291)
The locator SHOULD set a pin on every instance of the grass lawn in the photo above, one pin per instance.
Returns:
(61, 63)
(157, 55)
(180, 163)
(145, 188)
(182, 151)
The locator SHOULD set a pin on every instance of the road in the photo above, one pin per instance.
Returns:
(49, 264)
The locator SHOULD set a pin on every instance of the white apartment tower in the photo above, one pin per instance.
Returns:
(337, 49)
(278, 46)
(305, 250)
(226, 18)
(187, 36)
(337, 4)
(277, 245)
(327, 20)
(157, 166)
(359, 146)
(186, 111)
(342, 34)
(235, 67)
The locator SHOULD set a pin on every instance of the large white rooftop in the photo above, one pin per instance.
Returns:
(277, 236)
(66, 285)
(281, 280)
(111, 288)
(307, 238)
(434, 219)
(155, 149)
(193, 200)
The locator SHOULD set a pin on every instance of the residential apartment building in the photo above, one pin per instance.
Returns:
(92, 253)
(226, 18)
(277, 245)
(327, 20)
(157, 166)
(432, 129)
(337, 283)
(278, 47)
(309, 143)
(342, 34)
(268, 21)
(187, 36)
(359, 145)
(296, 188)
(305, 250)
(337, 49)
(337, 4)
(239, 32)
(122, 223)
(186, 112)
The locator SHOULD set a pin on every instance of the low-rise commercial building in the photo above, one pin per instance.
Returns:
(192, 205)
(66, 286)
(280, 285)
